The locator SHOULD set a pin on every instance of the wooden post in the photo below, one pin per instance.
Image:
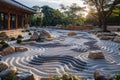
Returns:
(26, 16)
(8, 21)
(16, 21)
(23, 22)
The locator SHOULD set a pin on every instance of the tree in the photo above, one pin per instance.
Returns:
(72, 14)
(51, 17)
(104, 10)
(37, 18)
(92, 17)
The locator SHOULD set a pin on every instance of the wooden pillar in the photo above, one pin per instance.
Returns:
(26, 16)
(16, 21)
(23, 22)
(8, 21)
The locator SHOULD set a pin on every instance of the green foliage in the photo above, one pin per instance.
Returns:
(29, 33)
(67, 77)
(19, 41)
(27, 40)
(51, 17)
(9, 77)
(117, 77)
(13, 38)
(2, 42)
(38, 21)
(23, 31)
(27, 30)
(104, 10)
(19, 37)
(4, 45)
(40, 40)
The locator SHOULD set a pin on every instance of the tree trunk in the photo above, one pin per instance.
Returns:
(100, 23)
(104, 23)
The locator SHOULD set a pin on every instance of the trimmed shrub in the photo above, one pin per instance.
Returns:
(29, 33)
(40, 40)
(5, 45)
(23, 31)
(2, 42)
(19, 37)
(27, 40)
(9, 77)
(13, 38)
(117, 77)
(27, 30)
(67, 77)
(19, 41)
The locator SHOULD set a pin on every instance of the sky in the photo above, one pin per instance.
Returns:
(51, 3)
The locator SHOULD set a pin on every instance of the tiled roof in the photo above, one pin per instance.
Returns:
(19, 5)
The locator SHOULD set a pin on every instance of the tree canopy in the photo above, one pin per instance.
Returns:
(104, 9)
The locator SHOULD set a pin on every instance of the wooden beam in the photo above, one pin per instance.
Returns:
(16, 21)
(8, 21)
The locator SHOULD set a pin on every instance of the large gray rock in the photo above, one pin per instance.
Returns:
(97, 54)
(106, 37)
(3, 66)
(29, 42)
(99, 76)
(117, 39)
(105, 34)
(34, 36)
(45, 34)
(25, 76)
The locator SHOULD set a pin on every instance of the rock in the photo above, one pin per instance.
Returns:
(98, 76)
(72, 33)
(8, 50)
(3, 66)
(117, 39)
(1, 45)
(20, 49)
(1, 53)
(97, 54)
(34, 36)
(46, 79)
(106, 37)
(8, 72)
(1, 57)
(45, 34)
(25, 76)
(4, 34)
(101, 78)
(30, 42)
(49, 39)
(105, 34)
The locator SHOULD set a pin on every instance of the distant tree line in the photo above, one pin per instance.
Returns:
(67, 15)
(101, 13)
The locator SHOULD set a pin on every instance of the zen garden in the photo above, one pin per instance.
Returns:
(59, 39)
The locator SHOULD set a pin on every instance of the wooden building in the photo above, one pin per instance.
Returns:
(14, 15)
